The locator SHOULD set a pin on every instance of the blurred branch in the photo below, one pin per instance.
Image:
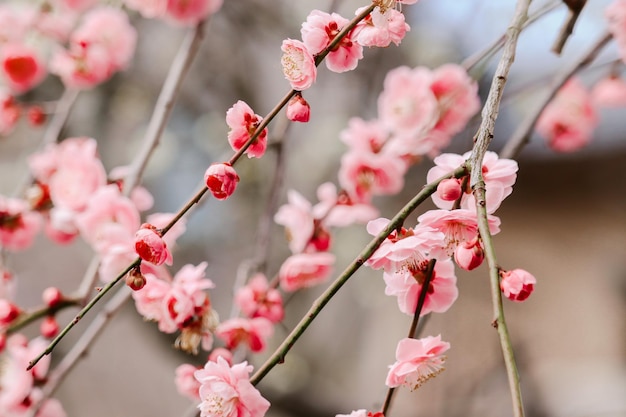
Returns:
(574, 9)
(483, 139)
(522, 134)
(279, 354)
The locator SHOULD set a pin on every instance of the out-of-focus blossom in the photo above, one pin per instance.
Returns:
(251, 332)
(18, 225)
(298, 220)
(258, 299)
(337, 209)
(609, 92)
(364, 174)
(186, 384)
(305, 270)
(22, 67)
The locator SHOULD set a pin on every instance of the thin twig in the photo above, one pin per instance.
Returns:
(574, 9)
(279, 354)
(522, 134)
(483, 138)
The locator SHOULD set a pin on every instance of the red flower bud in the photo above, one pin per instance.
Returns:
(517, 284)
(150, 246)
(221, 180)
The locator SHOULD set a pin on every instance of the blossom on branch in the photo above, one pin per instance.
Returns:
(251, 332)
(417, 361)
(305, 270)
(258, 299)
(517, 284)
(298, 64)
(243, 123)
(381, 28)
(221, 180)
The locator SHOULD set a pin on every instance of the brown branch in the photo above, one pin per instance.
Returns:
(574, 9)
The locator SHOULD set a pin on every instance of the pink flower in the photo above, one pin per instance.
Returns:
(18, 225)
(251, 332)
(186, 384)
(149, 300)
(298, 64)
(317, 33)
(449, 189)
(221, 180)
(8, 312)
(226, 391)
(338, 209)
(499, 176)
(417, 361)
(365, 174)
(150, 246)
(258, 299)
(361, 135)
(298, 220)
(190, 12)
(567, 123)
(381, 28)
(469, 255)
(224, 353)
(406, 284)
(609, 92)
(517, 284)
(407, 104)
(22, 67)
(298, 109)
(457, 225)
(305, 270)
(243, 123)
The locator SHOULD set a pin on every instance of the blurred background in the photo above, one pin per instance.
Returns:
(565, 222)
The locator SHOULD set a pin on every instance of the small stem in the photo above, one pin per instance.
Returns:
(575, 7)
(429, 273)
(279, 354)
(28, 317)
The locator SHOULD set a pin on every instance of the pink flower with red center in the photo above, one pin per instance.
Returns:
(186, 384)
(417, 361)
(381, 28)
(407, 105)
(457, 225)
(567, 123)
(221, 180)
(258, 299)
(22, 67)
(305, 270)
(404, 248)
(298, 64)
(243, 123)
(469, 255)
(298, 109)
(226, 391)
(298, 220)
(318, 32)
(517, 284)
(337, 209)
(361, 135)
(250, 332)
(407, 284)
(18, 225)
(150, 246)
(499, 176)
(8, 312)
(609, 92)
(364, 174)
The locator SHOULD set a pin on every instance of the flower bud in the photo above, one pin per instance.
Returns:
(221, 179)
(517, 284)
(135, 279)
(51, 296)
(469, 255)
(150, 246)
(49, 327)
(8, 312)
(449, 189)
(36, 116)
(298, 109)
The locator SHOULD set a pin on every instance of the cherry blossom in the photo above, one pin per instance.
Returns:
(517, 284)
(258, 299)
(22, 67)
(18, 225)
(298, 64)
(337, 209)
(186, 384)
(417, 361)
(298, 109)
(609, 92)
(190, 12)
(381, 28)
(243, 123)
(226, 391)
(470, 254)
(150, 246)
(568, 121)
(251, 332)
(298, 220)
(318, 32)
(305, 270)
(224, 353)
(221, 179)
(407, 284)
(361, 135)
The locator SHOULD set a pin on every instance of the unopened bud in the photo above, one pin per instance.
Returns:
(298, 109)
(221, 179)
(8, 312)
(449, 189)
(517, 284)
(150, 246)
(135, 279)
(469, 255)
(51, 296)
(49, 327)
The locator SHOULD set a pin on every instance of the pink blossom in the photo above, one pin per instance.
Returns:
(305, 270)
(150, 246)
(499, 176)
(567, 123)
(149, 300)
(407, 104)
(469, 255)
(16, 22)
(251, 332)
(406, 284)
(221, 179)
(298, 220)
(243, 123)
(18, 225)
(417, 361)
(56, 24)
(8, 312)
(298, 109)
(186, 384)
(361, 135)
(381, 27)
(258, 299)
(318, 32)
(226, 391)
(338, 209)
(403, 248)
(609, 92)
(161, 220)
(49, 327)
(517, 284)
(364, 174)
(22, 67)
(76, 5)
(223, 353)
(449, 189)
(298, 64)
(190, 12)
(457, 225)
